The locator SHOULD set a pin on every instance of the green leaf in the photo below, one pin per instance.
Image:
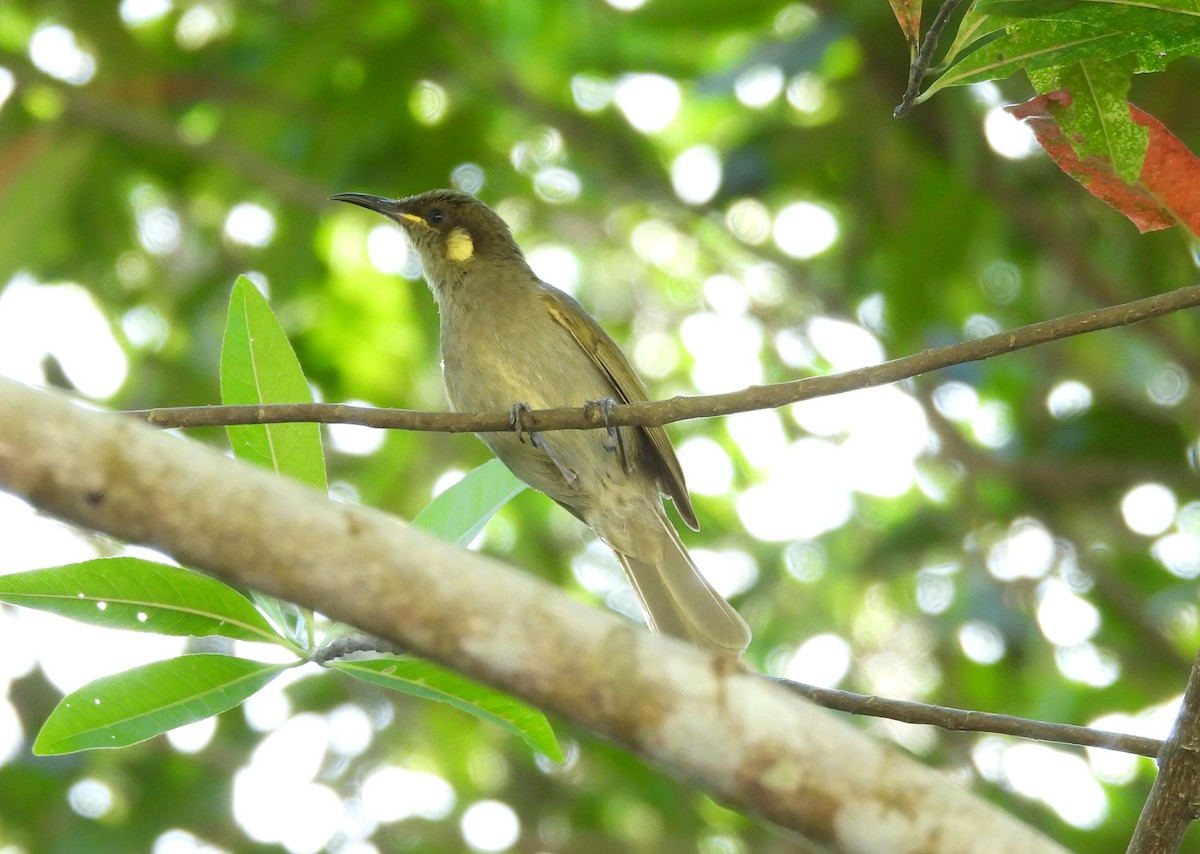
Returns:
(131, 593)
(129, 707)
(258, 365)
(460, 512)
(1021, 48)
(430, 682)
(1041, 34)
(291, 621)
(1097, 122)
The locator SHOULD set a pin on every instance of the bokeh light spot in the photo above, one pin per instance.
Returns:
(1148, 509)
(490, 826)
(696, 174)
(649, 102)
(804, 229)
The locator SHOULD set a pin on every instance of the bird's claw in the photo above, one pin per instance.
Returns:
(614, 440)
(516, 419)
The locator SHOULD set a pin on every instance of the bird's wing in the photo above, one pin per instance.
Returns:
(591, 337)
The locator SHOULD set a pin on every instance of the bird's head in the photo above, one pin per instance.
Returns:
(450, 230)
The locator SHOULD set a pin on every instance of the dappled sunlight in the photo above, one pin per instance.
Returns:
(759, 85)
(429, 102)
(555, 264)
(388, 251)
(91, 798)
(659, 243)
(821, 660)
(391, 793)
(1069, 399)
(736, 364)
(707, 465)
(1065, 618)
(696, 174)
(354, 439)
(1027, 550)
(804, 495)
(1148, 509)
(72, 330)
(804, 230)
(490, 826)
(250, 225)
(201, 24)
(193, 737)
(137, 12)
(730, 571)
(1088, 664)
(981, 642)
(649, 102)
(1057, 778)
(82, 652)
(54, 50)
(750, 221)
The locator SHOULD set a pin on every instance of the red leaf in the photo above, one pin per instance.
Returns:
(1168, 189)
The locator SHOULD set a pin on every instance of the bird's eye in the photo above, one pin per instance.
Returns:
(437, 216)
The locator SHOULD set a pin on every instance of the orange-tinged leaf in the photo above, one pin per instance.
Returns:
(908, 16)
(1167, 191)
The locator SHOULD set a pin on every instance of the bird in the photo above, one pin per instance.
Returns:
(511, 342)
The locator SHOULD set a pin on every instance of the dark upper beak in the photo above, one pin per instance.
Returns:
(387, 207)
(393, 209)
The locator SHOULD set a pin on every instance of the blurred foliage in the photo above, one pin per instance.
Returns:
(124, 185)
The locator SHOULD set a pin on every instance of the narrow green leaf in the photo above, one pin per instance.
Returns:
(131, 593)
(430, 682)
(291, 621)
(129, 707)
(258, 365)
(1016, 50)
(460, 512)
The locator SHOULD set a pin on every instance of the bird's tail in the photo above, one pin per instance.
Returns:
(675, 597)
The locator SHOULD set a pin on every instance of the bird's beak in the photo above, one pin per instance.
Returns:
(388, 207)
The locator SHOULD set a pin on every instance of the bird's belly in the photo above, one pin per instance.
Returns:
(537, 381)
(541, 383)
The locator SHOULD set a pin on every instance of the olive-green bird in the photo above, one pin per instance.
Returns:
(509, 339)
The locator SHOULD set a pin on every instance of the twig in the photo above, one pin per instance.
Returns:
(354, 644)
(919, 66)
(1174, 802)
(683, 408)
(963, 720)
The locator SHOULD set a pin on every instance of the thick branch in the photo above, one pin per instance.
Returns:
(745, 741)
(1174, 801)
(683, 408)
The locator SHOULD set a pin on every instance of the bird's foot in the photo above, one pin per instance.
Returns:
(516, 418)
(614, 441)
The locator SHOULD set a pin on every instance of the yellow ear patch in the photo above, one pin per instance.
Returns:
(459, 246)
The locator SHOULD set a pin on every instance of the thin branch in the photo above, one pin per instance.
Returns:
(963, 720)
(699, 717)
(683, 408)
(354, 644)
(1174, 801)
(920, 66)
